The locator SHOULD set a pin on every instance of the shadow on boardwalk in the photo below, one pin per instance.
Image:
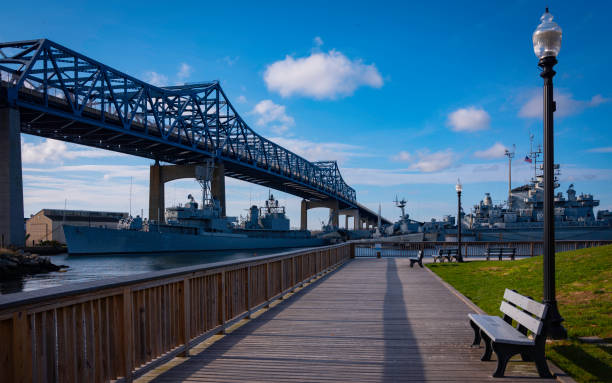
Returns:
(371, 321)
(402, 360)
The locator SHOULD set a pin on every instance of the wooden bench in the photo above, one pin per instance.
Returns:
(449, 254)
(500, 336)
(501, 252)
(416, 259)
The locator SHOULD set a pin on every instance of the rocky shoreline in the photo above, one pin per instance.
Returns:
(16, 263)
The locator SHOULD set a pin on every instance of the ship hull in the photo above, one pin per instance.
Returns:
(91, 240)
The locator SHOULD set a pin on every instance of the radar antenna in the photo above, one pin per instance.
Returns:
(204, 174)
(401, 204)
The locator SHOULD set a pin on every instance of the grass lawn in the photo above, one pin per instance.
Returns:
(584, 295)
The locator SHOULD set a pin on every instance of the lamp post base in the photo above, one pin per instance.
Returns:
(555, 328)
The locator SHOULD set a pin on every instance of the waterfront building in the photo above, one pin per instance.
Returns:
(47, 224)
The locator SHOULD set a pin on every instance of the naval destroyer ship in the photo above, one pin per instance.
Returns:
(193, 228)
(521, 218)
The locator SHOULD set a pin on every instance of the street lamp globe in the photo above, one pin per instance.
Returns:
(458, 187)
(547, 37)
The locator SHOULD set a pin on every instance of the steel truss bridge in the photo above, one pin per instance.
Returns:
(64, 95)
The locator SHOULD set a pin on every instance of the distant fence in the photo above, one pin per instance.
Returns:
(368, 248)
(120, 329)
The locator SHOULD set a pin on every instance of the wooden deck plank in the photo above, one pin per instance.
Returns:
(373, 320)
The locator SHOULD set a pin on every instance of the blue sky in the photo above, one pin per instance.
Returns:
(407, 97)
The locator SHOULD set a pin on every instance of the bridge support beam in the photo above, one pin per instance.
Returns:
(12, 230)
(156, 192)
(356, 218)
(306, 205)
(217, 186)
(160, 174)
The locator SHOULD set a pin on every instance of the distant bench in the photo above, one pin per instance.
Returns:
(416, 259)
(501, 252)
(500, 336)
(449, 254)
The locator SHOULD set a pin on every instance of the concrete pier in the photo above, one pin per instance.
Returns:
(12, 230)
(330, 204)
(160, 174)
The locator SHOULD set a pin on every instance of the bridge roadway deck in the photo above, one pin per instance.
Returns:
(373, 320)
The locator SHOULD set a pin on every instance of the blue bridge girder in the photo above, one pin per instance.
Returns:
(64, 95)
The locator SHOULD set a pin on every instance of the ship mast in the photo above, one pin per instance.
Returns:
(510, 155)
(534, 157)
(204, 175)
(401, 204)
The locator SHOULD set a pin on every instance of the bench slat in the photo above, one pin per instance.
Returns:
(500, 331)
(533, 324)
(536, 308)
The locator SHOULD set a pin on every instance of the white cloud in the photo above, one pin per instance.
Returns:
(469, 173)
(320, 151)
(425, 161)
(498, 150)
(320, 75)
(230, 61)
(242, 99)
(272, 115)
(402, 156)
(432, 162)
(184, 72)
(470, 119)
(318, 41)
(606, 149)
(156, 79)
(566, 104)
(56, 151)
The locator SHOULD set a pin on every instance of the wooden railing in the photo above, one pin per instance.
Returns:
(122, 328)
(389, 248)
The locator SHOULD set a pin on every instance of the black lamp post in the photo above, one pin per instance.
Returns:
(458, 187)
(546, 45)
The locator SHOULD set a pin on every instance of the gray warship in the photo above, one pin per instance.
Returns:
(521, 218)
(193, 228)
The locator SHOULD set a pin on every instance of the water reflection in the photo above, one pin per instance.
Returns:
(92, 267)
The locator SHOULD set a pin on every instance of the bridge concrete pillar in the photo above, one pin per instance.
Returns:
(357, 220)
(160, 174)
(333, 205)
(156, 192)
(217, 185)
(304, 215)
(12, 230)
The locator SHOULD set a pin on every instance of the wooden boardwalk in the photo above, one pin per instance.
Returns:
(373, 320)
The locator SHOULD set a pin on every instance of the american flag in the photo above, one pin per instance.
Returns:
(528, 159)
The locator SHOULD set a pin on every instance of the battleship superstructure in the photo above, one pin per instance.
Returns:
(521, 218)
(193, 228)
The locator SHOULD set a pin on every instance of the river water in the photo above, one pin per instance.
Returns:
(83, 268)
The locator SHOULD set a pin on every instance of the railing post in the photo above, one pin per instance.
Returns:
(127, 333)
(303, 273)
(293, 277)
(531, 246)
(222, 301)
(22, 353)
(282, 279)
(248, 292)
(267, 284)
(187, 316)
